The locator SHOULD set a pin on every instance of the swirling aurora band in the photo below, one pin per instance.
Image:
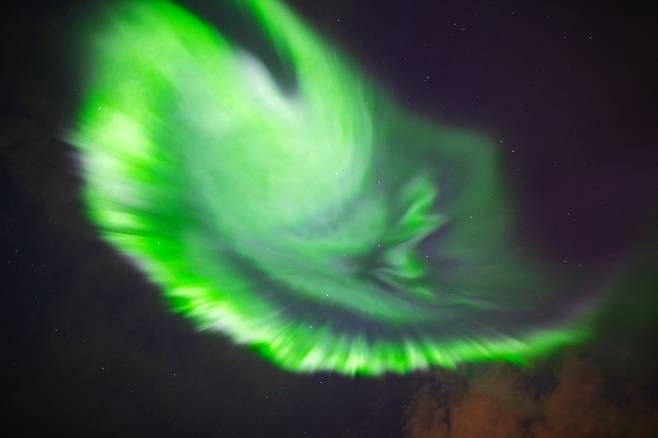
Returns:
(312, 218)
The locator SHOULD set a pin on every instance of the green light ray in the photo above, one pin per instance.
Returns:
(324, 226)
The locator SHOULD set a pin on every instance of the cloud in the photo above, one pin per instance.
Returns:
(576, 400)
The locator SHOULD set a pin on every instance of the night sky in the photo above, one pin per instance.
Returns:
(568, 91)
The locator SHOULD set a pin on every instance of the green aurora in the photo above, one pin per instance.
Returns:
(320, 223)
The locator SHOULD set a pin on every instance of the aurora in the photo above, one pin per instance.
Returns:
(291, 204)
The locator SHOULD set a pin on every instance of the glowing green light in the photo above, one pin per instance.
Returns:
(323, 225)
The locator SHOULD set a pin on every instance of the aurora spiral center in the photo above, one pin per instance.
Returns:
(317, 222)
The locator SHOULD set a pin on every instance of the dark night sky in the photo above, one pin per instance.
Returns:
(568, 89)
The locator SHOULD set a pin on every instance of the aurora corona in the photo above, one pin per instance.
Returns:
(291, 204)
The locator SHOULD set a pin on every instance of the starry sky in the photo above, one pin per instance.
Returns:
(567, 90)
